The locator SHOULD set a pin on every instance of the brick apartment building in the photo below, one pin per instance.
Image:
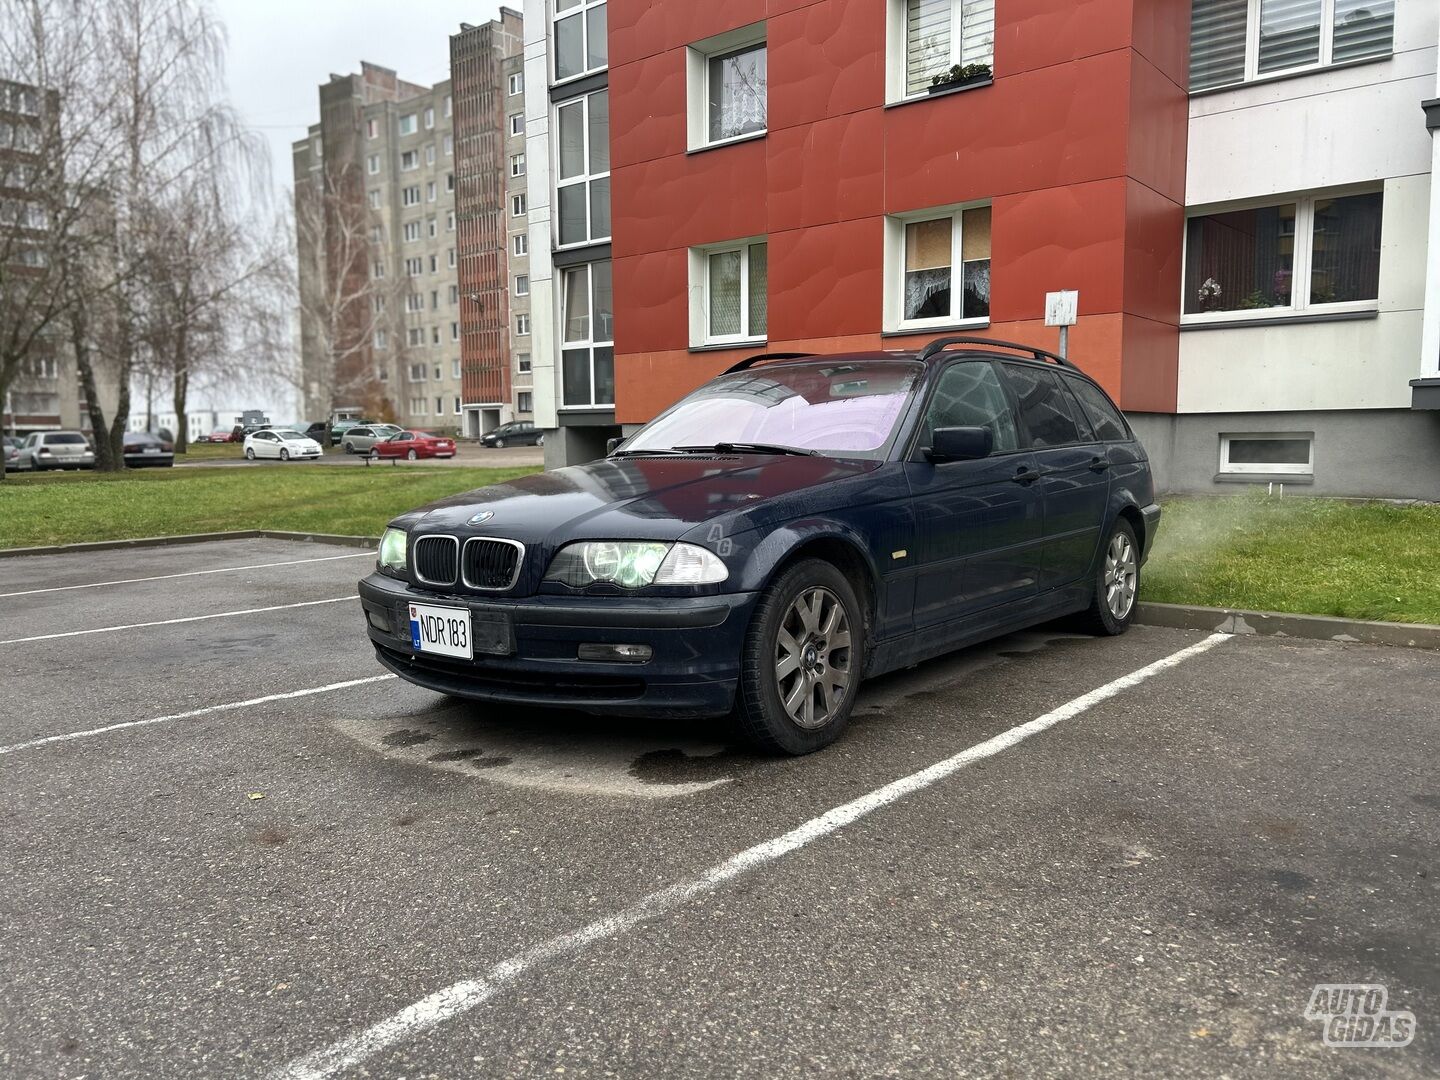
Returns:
(1246, 210)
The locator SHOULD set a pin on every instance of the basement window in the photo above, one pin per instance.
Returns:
(1268, 453)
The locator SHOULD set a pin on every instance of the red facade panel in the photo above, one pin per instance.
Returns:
(1079, 146)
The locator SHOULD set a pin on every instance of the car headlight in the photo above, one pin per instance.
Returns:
(633, 564)
(392, 549)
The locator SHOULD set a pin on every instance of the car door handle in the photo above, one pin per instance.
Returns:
(1025, 476)
(1098, 464)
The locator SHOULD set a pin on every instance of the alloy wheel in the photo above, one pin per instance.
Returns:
(1121, 573)
(812, 658)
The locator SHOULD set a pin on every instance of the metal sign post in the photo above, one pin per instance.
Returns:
(1060, 310)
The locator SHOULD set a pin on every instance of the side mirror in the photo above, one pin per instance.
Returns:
(612, 444)
(961, 444)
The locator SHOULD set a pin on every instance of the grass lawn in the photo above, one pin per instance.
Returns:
(1315, 556)
(64, 508)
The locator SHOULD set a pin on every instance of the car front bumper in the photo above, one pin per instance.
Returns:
(693, 669)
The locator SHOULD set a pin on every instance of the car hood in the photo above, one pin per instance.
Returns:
(659, 498)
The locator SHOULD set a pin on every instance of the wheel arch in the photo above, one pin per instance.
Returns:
(834, 545)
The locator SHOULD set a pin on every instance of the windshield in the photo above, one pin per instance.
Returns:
(841, 409)
(291, 436)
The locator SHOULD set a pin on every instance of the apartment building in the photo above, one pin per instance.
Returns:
(571, 322)
(517, 240)
(1246, 212)
(380, 304)
(484, 63)
(45, 392)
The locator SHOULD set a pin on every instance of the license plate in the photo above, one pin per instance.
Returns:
(444, 631)
(152, 449)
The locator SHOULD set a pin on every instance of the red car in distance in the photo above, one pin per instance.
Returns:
(413, 445)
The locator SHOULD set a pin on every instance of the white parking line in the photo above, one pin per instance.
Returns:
(172, 622)
(70, 736)
(187, 573)
(463, 996)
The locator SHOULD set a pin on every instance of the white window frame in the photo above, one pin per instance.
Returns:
(517, 164)
(585, 178)
(700, 293)
(590, 344)
(449, 143)
(430, 191)
(697, 83)
(415, 336)
(517, 123)
(457, 404)
(517, 205)
(522, 325)
(372, 129)
(372, 164)
(520, 244)
(1300, 304)
(1252, 71)
(412, 232)
(896, 18)
(894, 320)
(410, 196)
(516, 84)
(522, 284)
(374, 198)
(407, 124)
(414, 302)
(430, 118)
(430, 153)
(1260, 468)
(525, 401)
(523, 364)
(580, 11)
(409, 160)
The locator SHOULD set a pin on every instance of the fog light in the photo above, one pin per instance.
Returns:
(378, 620)
(632, 654)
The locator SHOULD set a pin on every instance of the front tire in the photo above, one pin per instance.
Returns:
(1117, 583)
(284, 454)
(802, 660)
(249, 453)
(540, 441)
(499, 444)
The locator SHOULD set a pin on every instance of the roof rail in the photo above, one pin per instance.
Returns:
(751, 361)
(941, 344)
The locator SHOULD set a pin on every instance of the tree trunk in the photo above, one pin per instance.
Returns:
(106, 460)
(182, 388)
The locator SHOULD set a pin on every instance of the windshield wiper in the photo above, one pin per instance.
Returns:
(747, 448)
(645, 453)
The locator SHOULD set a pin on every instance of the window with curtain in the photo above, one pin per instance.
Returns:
(942, 33)
(736, 292)
(945, 268)
(1289, 35)
(1315, 251)
(587, 348)
(735, 94)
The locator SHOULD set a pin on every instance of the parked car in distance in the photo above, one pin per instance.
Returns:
(319, 431)
(55, 450)
(413, 445)
(515, 433)
(141, 449)
(12, 444)
(220, 435)
(338, 429)
(359, 439)
(792, 527)
(283, 444)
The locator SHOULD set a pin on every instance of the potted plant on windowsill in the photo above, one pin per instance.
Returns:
(958, 76)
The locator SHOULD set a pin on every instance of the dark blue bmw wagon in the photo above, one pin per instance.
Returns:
(793, 526)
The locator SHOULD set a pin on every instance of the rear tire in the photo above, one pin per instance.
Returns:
(284, 454)
(540, 441)
(349, 448)
(1117, 584)
(802, 660)
(412, 456)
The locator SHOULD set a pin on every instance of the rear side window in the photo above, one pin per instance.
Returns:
(970, 395)
(1104, 417)
(1045, 407)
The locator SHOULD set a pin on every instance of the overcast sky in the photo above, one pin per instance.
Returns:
(282, 50)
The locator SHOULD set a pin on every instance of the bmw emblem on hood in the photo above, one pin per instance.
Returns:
(482, 517)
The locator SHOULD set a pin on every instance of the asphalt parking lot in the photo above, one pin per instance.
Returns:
(224, 854)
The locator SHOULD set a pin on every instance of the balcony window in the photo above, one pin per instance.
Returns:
(583, 174)
(580, 39)
(933, 36)
(938, 269)
(1319, 253)
(587, 336)
(1233, 41)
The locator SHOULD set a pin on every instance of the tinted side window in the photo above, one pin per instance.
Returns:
(1044, 406)
(970, 395)
(1104, 417)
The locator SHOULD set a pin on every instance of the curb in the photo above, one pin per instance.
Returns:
(193, 538)
(1283, 624)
